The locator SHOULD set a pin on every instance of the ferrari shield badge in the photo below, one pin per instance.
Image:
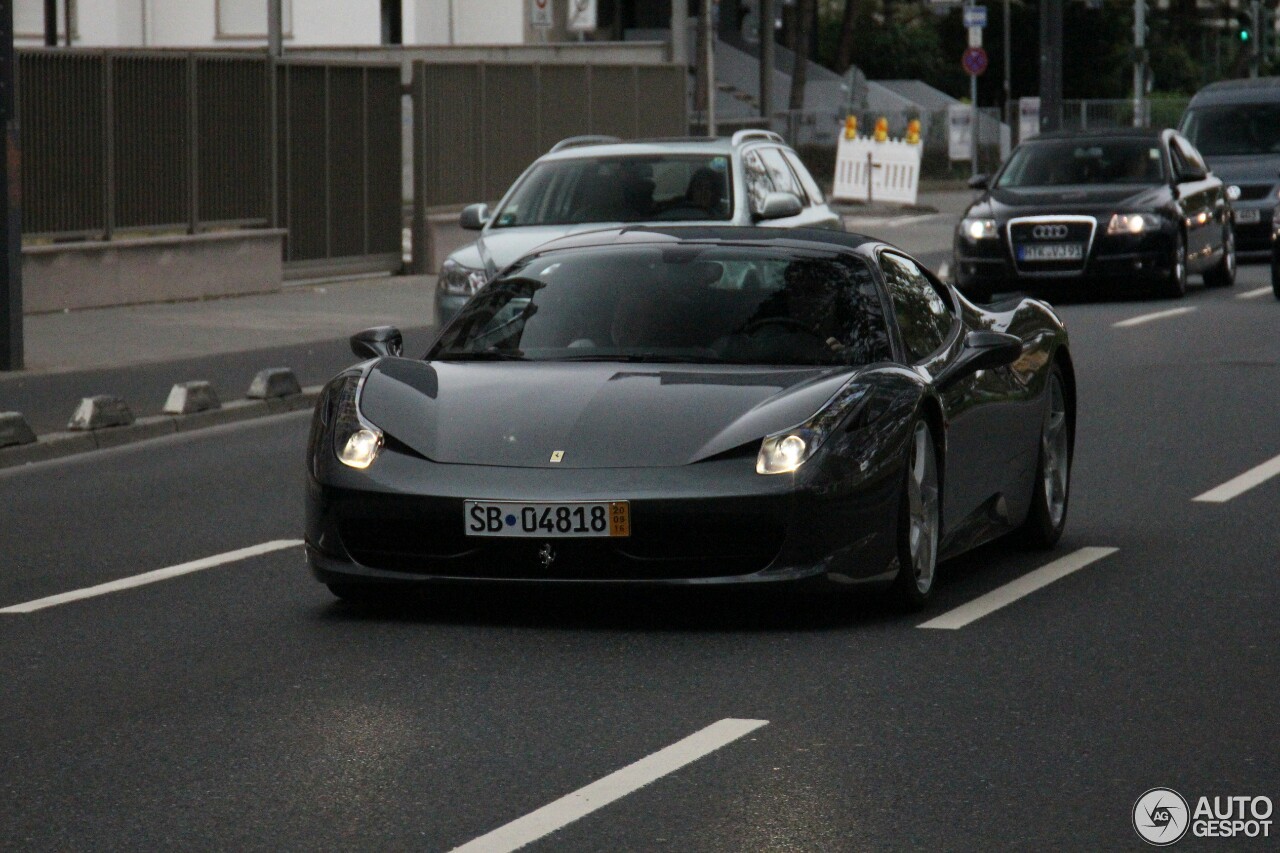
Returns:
(547, 555)
(557, 455)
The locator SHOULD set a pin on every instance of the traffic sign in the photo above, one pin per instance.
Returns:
(541, 14)
(974, 61)
(975, 16)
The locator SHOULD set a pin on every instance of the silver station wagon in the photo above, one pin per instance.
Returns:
(585, 183)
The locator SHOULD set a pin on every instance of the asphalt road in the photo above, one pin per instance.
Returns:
(242, 707)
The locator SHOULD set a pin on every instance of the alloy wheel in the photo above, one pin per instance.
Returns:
(1055, 450)
(922, 500)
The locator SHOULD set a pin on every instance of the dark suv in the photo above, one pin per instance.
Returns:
(1235, 125)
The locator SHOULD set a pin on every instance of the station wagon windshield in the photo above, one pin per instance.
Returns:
(621, 189)
(1234, 129)
(701, 304)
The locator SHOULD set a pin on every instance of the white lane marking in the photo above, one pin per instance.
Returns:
(889, 221)
(1254, 294)
(153, 576)
(616, 785)
(1012, 591)
(1158, 315)
(1239, 485)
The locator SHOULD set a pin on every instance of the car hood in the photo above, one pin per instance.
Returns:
(498, 247)
(600, 414)
(1036, 201)
(1252, 169)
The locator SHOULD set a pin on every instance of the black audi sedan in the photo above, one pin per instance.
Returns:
(1125, 210)
(694, 406)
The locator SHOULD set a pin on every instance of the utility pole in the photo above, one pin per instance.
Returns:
(1139, 60)
(10, 199)
(680, 34)
(1050, 65)
(973, 117)
(275, 29)
(709, 51)
(766, 62)
(68, 15)
(1008, 62)
(1255, 43)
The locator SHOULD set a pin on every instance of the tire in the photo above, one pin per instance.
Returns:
(1275, 277)
(1175, 284)
(1224, 274)
(918, 522)
(1051, 490)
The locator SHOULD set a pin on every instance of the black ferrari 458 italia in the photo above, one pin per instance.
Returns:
(695, 406)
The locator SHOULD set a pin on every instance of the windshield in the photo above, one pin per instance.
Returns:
(685, 303)
(1060, 163)
(621, 189)
(1234, 129)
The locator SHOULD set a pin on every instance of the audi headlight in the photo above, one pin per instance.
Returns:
(457, 280)
(1133, 223)
(978, 229)
(355, 441)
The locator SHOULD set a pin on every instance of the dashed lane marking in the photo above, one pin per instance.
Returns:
(153, 576)
(616, 785)
(1239, 485)
(1014, 590)
(1254, 294)
(1157, 315)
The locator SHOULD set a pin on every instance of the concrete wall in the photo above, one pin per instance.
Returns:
(154, 269)
(206, 23)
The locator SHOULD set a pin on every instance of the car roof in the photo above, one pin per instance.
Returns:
(1101, 133)
(1259, 90)
(795, 238)
(577, 148)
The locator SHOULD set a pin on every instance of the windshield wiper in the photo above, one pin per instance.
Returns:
(481, 355)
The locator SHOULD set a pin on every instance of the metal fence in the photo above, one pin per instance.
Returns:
(478, 126)
(135, 142)
(1097, 113)
(339, 165)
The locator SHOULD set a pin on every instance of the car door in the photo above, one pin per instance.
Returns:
(1215, 198)
(929, 328)
(1195, 189)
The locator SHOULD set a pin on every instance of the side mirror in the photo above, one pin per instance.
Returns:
(982, 350)
(778, 205)
(979, 182)
(474, 216)
(377, 342)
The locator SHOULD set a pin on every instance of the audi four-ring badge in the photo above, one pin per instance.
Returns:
(694, 405)
(1125, 210)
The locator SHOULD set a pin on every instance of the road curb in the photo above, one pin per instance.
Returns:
(56, 445)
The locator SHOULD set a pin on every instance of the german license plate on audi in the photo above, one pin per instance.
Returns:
(1248, 217)
(545, 520)
(1051, 252)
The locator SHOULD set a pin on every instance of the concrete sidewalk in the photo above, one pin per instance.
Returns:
(304, 313)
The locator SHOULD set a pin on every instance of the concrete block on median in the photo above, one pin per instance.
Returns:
(100, 412)
(15, 430)
(186, 398)
(273, 382)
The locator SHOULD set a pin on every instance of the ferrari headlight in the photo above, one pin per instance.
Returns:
(457, 280)
(355, 441)
(784, 452)
(1133, 223)
(978, 229)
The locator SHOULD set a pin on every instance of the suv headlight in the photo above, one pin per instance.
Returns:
(978, 229)
(355, 441)
(1133, 223)
(457, 280)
